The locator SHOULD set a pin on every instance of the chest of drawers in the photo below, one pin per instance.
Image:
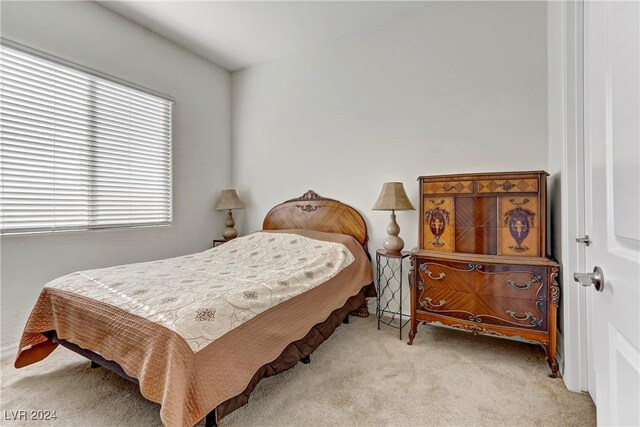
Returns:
(482, 264)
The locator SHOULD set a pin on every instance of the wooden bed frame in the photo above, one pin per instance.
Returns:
(308, 212)
(313, 212)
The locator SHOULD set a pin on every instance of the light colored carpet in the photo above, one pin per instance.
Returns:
(360, 376)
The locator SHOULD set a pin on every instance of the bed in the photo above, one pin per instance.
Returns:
(198, 333)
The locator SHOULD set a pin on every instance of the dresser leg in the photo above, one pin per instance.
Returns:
(550, 350)
(413, 298)
(553, 313)
(553, 364)
(412, 335)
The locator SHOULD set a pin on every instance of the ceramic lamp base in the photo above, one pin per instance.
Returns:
(392, 242)
(229, 233)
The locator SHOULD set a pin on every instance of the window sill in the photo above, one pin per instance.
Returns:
(84, 230)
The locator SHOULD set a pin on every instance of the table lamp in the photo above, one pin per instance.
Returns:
(393, 198)
(229, 200)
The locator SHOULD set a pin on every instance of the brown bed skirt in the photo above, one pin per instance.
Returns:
(294, 352)
(287, 359)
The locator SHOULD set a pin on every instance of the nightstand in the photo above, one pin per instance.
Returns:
(389, 281)
(218, 242)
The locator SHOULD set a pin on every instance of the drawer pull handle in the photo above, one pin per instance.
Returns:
(425, 268)
(440, 276)
(429, 301)
(526, 285)
(527, 316)
(437, 203)
(517, 203)
(447, 187)
(507, 186)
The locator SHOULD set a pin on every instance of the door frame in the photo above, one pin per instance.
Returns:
(565, 79)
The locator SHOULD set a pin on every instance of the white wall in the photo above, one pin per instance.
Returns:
(91, 35)
(457, 87)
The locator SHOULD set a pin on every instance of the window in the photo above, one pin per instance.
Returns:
(79, 151)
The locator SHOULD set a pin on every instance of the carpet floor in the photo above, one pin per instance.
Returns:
(360, 376)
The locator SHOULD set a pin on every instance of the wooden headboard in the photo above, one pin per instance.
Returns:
(313, 212)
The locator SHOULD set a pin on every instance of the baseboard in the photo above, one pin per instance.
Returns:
(560, 351)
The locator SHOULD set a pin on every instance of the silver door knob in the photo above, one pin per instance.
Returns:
(587, 279)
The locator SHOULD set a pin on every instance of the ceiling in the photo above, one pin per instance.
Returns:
(239, 34)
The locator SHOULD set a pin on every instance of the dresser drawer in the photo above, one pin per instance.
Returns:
(522, 284)
(513, 312)
(517, 185)
(460, 305)
(455, 278)
(448, 187)
(500, 281)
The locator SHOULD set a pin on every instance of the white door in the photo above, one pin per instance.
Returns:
(612, 184)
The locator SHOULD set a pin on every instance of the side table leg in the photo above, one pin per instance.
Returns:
(378, 314)
(400, 303)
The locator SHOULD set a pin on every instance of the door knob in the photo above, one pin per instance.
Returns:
(586, 279)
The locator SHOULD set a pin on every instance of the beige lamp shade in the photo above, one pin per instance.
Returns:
(393, 197)
(229, 200)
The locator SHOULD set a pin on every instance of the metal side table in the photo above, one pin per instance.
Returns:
(389, 281)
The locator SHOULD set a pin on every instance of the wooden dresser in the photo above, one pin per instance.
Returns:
(482, 264)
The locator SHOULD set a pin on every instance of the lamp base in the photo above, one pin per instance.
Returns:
(229, 233)
(392, 242)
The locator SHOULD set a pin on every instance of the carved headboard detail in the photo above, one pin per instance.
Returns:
(313, 212)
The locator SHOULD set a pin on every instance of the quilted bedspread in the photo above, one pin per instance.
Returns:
(203, 296)
(194, 329)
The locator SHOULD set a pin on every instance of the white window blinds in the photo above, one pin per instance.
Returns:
(78, 151)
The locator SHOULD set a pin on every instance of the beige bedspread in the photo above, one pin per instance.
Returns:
(193, 330)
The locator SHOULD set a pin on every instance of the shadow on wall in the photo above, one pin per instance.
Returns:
(554, 243)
